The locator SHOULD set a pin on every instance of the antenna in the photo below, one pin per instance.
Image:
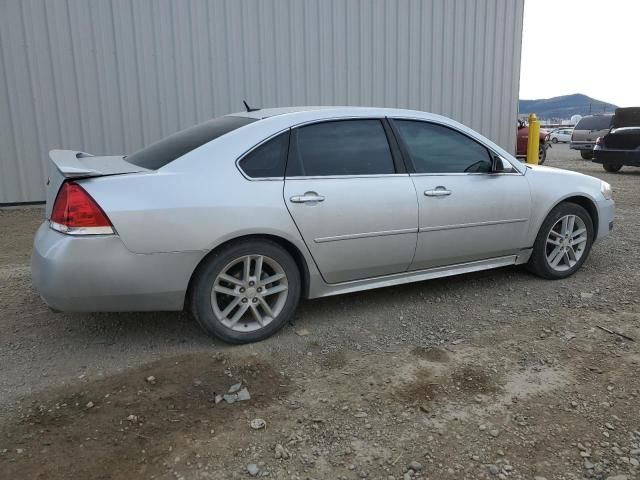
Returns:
(249, 109)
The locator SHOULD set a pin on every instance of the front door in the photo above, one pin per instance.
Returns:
(357, 215)
(467, 213)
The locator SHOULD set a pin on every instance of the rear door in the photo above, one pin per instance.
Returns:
(353, 204)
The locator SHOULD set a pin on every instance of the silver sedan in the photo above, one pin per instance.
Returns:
(240, 217)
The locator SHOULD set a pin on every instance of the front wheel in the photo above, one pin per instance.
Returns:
(563, 242)
(554, 140)
(612, 167)
(586, 154)
(246, 292)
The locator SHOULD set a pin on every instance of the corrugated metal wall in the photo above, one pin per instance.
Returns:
(110, 76)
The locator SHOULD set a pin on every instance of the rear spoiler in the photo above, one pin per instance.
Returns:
(71, 164)
(74, 164)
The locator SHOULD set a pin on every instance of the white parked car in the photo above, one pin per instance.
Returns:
(561, 135)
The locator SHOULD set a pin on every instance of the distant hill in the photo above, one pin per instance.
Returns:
(565, 106)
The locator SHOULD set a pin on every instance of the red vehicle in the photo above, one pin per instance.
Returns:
(523, 139)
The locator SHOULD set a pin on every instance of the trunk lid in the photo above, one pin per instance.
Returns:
(69, 164)
(626, 117)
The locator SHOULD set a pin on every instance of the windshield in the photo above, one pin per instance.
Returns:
(165, 151)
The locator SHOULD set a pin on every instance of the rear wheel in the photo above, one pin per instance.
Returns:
(246, 292)
(612, 167)
(586, 154)
(563, 242)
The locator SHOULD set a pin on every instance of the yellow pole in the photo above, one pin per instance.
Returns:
(533, 144)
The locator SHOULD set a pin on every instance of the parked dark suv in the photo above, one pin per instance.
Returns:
(587, 130)
(621, 146)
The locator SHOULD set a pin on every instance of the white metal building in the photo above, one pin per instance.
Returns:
(110, 76)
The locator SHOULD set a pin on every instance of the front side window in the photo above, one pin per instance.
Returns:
(438, 149)
(268, 160)
(344, 147)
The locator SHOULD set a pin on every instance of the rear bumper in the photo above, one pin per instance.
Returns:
(606, 215)
(99, 274)
(582, 145)
(618, 157)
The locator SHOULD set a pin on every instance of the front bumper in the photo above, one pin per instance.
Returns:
(606, 215)
(98, 274)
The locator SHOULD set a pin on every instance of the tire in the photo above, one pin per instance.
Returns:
(542, 154)
(209, 307)
(539, 262)
(612, 167)
(554, 140)
(586, 154)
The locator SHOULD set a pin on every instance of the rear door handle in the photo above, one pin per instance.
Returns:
(308, 197)
(437, 192)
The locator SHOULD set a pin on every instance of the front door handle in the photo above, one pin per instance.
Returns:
(308, 197)
(437, 192)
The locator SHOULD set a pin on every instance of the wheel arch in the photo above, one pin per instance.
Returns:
(585, 202)
(287, 245)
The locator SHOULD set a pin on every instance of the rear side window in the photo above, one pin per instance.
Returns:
(595, 122)
(438, 149)
(165, 151)
(344, 147)
(268, 160)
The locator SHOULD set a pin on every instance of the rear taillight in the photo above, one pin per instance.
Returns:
(599, 141)
(76, 213)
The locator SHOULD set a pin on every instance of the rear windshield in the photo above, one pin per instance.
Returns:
(596, 122)
(165, 151)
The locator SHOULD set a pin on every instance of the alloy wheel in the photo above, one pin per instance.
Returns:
(249, 293)
(566, 243)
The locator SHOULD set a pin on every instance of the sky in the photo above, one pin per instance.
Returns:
(582, 46)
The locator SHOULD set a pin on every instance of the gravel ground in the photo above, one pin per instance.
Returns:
(491, 375)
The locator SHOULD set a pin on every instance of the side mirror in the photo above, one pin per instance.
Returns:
(496, 164)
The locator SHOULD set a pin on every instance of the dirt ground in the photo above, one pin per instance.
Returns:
(491, 375)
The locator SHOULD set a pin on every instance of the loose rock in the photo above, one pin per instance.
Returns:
(257, 423)
(243, 395)
(253, 469)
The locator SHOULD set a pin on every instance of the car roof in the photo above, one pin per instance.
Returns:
(272, 112)
(334, 110)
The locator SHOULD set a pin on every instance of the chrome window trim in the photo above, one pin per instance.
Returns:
(338, 177)
(495, 174)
